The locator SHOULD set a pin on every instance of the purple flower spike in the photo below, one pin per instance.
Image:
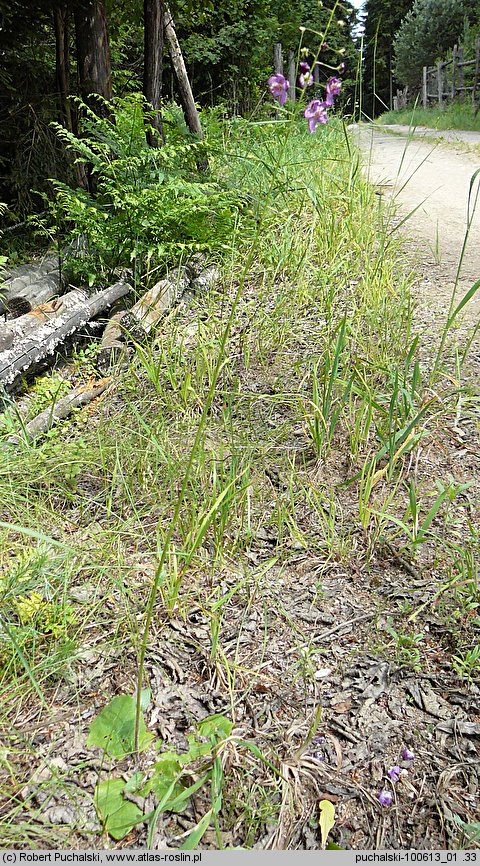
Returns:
(394, 773)
(316, 112)
(278, 86)
(305, 77)
(334, 86)
(385, 798)
(407, 755)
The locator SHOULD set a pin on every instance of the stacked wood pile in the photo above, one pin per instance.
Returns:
(37, 321)
(35, 335)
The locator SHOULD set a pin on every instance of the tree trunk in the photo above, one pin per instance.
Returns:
(60, 18)
(153, 23)
(278, 58)
(186, 96)
(62, 57)
(292, 74)
(93, 56)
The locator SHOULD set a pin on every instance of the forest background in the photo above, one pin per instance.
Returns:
(228, 49)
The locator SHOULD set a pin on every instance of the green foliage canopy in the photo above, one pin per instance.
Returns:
(426, 33)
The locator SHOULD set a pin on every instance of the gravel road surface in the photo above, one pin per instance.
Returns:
(431, 181)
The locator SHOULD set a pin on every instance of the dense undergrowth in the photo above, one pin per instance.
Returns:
(286, 427)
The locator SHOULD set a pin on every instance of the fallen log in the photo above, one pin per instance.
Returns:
(34, 336)
(113, 346)
(80, 396)
(35, 283)
(136, 324)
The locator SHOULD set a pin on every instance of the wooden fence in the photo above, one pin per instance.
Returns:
(446, 80)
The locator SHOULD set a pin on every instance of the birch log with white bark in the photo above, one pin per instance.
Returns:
(34, 336)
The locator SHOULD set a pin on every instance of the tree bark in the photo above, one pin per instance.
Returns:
(278, 57)
(31, 338)
(186, 96)
(93, 55)
(153, 23)
(64, 407)
(292, 74)
(62, 60)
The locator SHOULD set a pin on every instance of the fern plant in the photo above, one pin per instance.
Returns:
(150, 206)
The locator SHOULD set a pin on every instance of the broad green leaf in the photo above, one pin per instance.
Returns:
(135, 784)
(217, 726)
(114, 728)
(165, 782)
(179, 803)
(327, 819)
(117, 815)
(145, 698)
(472, 831)
(196, 749)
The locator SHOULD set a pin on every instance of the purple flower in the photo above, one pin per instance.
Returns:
(341, 67)
(407, 755)
(278, 86)
(385, 798)
(334, 86)
(316, 112)
(305, 77)
(394, 773)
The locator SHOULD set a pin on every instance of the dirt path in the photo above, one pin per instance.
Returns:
(431, 182)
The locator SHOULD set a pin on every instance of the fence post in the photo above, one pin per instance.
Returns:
(477, 71)
(440, 84)
(291, 76)
(461, 74)
(454, 69)
(278, 57)
(424, 88)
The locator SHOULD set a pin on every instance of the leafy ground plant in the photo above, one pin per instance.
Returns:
(173, 779)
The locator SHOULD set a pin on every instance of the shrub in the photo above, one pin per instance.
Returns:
(151, 206)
